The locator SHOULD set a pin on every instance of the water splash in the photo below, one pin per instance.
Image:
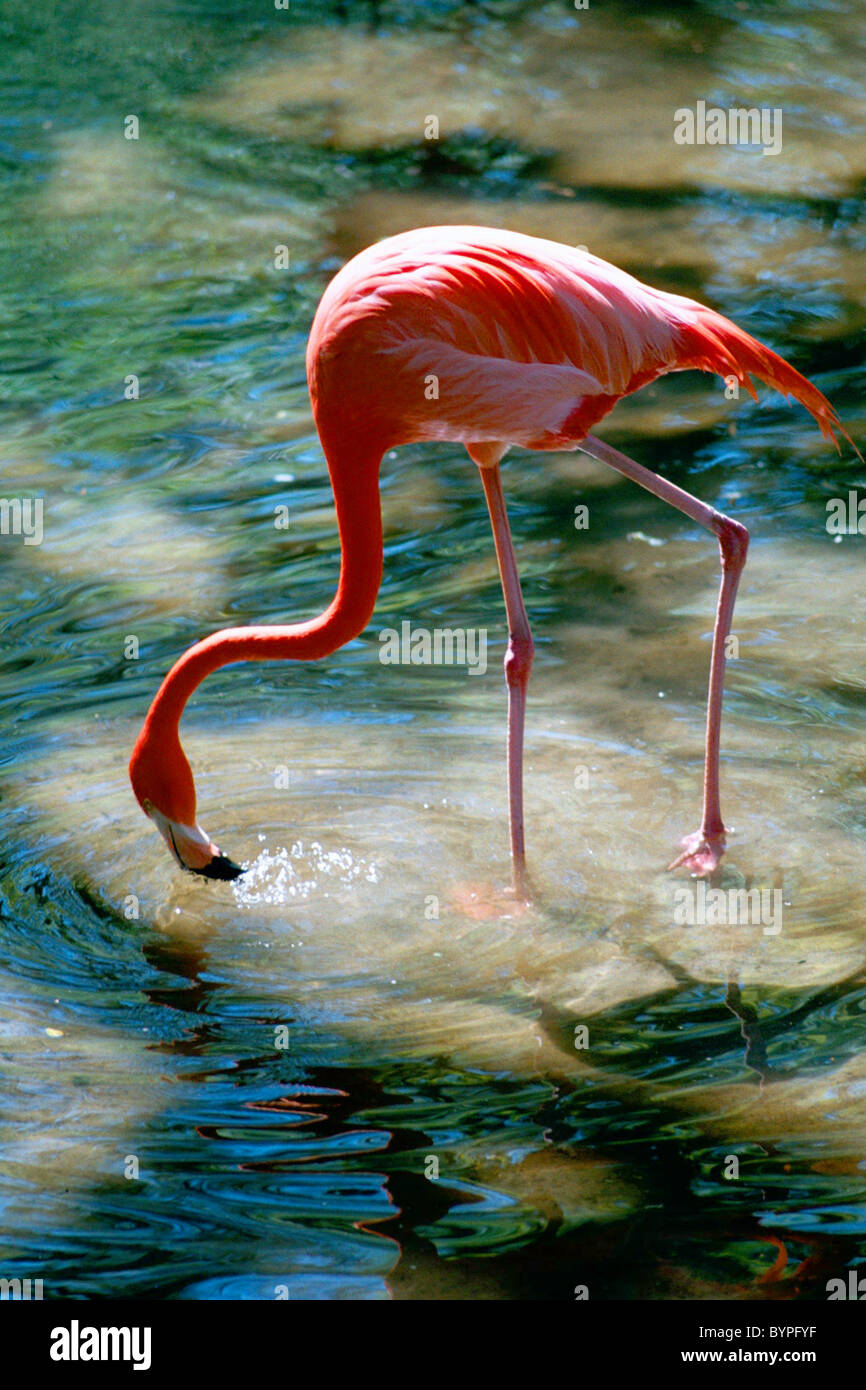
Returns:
(285, 875)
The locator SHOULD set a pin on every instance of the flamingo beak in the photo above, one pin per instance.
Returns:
(192, 849)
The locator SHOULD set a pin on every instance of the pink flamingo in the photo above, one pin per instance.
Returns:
(488, 338)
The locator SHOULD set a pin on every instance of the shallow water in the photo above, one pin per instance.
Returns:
(221, 1091)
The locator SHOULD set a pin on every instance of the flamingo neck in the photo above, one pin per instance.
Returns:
(355, 481)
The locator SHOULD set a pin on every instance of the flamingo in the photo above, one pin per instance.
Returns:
(488, 338)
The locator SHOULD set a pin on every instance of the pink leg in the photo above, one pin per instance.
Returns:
(518, 664)
(703, 850)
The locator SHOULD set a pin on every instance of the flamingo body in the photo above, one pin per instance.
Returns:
(488, 338)
(531, 342)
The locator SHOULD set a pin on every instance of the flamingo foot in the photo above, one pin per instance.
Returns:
(484, 902)
(701, 854)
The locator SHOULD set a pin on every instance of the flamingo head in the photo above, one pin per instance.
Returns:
(163, 785)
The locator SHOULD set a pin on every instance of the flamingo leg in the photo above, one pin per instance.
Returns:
(703, 850)
(518, 664)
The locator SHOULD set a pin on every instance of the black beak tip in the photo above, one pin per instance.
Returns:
(220, 867)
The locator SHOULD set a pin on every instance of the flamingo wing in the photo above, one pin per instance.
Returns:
(469, 397)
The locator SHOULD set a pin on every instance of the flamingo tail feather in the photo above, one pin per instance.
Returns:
(715, 344)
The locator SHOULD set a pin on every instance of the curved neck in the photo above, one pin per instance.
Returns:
(354, 475)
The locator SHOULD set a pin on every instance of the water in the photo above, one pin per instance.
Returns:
(359, 1072)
